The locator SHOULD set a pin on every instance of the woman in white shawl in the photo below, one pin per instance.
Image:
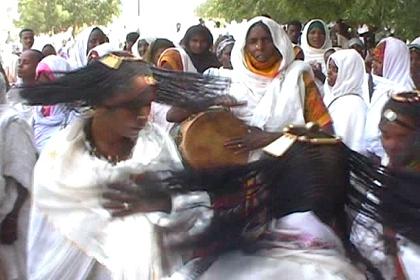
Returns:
(48, 120)
(344, 99)
(391, 73)
(17, 159)
(84, 42)
(72, 236)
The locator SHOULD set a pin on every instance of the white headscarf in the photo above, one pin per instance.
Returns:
(272, 103)
(102, 49)
(350, 76)
(311, 53)
(135, 46)
(78, 52)
(396, 64)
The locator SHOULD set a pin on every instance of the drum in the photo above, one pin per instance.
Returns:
(201, 138)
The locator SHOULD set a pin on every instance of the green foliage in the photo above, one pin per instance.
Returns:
(399, 15)
(53, 16)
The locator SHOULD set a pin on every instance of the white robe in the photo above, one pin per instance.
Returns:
(17, 159)
(76, 234)
(344, 100)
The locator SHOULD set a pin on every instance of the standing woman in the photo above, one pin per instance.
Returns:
(315, 41)
(345, 75)
(194, 55)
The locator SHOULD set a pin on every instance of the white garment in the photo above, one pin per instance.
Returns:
(103, 49)
(313, 54)
(78, 51)
(17, 159)
(344, 100)
(70, 226)
(60, 115)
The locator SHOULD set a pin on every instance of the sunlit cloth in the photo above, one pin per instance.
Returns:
(78, 52)
(344, 100)
(101, 50)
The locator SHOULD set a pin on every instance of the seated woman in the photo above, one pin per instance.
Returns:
(344, 98)
(400, 134)
(278, 90)
(114, 146)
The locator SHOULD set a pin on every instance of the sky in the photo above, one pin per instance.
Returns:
(157, 18)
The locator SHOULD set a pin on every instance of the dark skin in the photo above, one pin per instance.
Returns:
(9, 226)
(96, 38)
(27, 66)
(114, 131)
(415, 66)
(27, 40)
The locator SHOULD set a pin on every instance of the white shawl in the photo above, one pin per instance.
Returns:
(344, 100)
(272, 103)
(68, 184)
(313, 54)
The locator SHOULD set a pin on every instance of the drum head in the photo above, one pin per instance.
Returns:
(203, 138)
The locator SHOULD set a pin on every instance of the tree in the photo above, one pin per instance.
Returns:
(53, 16)
(398, 15)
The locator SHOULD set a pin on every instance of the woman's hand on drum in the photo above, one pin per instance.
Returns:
(124, 199)
(255, 139)
(228, 101)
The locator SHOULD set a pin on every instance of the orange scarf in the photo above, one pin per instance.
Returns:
(268, 69)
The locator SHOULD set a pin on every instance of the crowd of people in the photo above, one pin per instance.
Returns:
(95, 183)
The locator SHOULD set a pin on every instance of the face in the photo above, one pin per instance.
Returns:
(128, 111)
(415, 66)
(398, 141)
(316, 38)
(377, 62)
(225, 57)
(260, 44)
(157, 55)
(198, 44)
(293, 32)
(332, 73)
(142, 47)
(48, 50)
(96, 38)
(27, 40)
(327, 55)
(27, 65)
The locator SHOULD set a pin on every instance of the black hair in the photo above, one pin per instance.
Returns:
(194, 30)
(25, 30)
(132, 37)
(38, 54)
(295, 23)
(406, 104)
(94, 83)
(157, 44)
(48, 46)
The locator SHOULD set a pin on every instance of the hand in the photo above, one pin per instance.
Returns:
(122, 200)
(8, 229)
(228, 101)
(255, 139)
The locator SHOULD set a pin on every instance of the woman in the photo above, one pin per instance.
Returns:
(223, 53)
(48, 120)
(315, 41)
(84, 42)
(194, 55)
(345, 76)
(391, 73)
(400, 134)
(415, 61)
(112, 148)
(156, 48)
(140, 47)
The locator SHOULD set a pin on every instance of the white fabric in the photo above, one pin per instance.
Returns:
(60, 115)
(344, 100)
(17, 158)
(279, 259)
(396, 64)
(78, 52)
(135, 46)
(416, 41)
(103, 49)
(272, 103)
(68, 185)
(313, 54)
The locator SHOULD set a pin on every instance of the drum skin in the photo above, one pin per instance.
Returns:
(202, 137)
